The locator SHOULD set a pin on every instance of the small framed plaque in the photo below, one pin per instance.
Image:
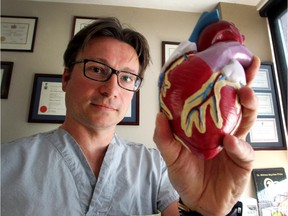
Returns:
(18, 33)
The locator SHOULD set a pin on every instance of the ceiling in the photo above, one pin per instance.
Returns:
(195, 6)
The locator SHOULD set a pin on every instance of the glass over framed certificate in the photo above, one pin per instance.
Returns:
(18, 33)
(268, 131)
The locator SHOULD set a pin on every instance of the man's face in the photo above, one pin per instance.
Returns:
(95, 104)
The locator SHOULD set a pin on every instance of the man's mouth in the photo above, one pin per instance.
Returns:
(104, 106)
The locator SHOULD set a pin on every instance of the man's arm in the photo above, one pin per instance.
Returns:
(212, 187)
(171, 210)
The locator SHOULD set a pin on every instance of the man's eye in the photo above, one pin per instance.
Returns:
(127, 78)
(97, 70)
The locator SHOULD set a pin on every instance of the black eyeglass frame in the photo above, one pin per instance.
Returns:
(113, 71)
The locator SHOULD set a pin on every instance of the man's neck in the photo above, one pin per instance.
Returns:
(93, 143)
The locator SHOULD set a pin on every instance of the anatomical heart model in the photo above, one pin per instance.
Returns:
(198, 85)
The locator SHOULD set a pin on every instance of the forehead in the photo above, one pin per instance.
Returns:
(115, 53)
(110, 46)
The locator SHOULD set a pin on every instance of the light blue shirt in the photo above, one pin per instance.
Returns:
(47, 174)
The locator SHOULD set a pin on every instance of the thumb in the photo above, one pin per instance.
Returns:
(252, 70)
(239, 151)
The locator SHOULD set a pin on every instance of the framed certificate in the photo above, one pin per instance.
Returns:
(80, 22)
(168, 48)
(132, 115)
(18, 33)
(48, 99)
(268, 130)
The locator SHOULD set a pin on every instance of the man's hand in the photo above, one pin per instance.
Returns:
(212, 187)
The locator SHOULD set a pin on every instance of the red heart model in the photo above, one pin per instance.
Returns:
(198, 99)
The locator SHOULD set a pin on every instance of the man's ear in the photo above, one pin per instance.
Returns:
(65, 78)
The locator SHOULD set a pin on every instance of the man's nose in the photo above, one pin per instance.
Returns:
(110, 87)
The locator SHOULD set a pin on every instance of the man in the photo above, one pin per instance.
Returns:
(83, 168)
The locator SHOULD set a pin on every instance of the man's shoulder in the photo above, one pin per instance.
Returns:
(28, 142)
(132, 144)
(138, 149)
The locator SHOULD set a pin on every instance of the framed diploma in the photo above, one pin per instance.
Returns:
(168, 48)
(18, 33)
(132, 115)
(6, 72)
(268, 131)
(80, 22)
(48, 100)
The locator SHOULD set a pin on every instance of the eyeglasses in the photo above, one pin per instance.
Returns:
(98, 71)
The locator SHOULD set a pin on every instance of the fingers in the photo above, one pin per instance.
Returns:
(252, 70)
(162, 129)
(248, 101)
(164, 139)
(249, 104)
(238, 148)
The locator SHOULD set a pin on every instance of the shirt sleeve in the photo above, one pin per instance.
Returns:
(167, 194)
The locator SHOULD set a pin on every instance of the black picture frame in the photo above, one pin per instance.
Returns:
(18, 33)
(268, 130)
(6, 73)
(48, 105)
(132, 118)
(167, 48)
(80, 22)
(48, 99)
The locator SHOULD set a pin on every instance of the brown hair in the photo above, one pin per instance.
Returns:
(108, 27)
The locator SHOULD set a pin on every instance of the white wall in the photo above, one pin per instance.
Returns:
(53, 33)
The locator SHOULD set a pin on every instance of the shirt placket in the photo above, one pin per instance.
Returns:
(101, 201)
